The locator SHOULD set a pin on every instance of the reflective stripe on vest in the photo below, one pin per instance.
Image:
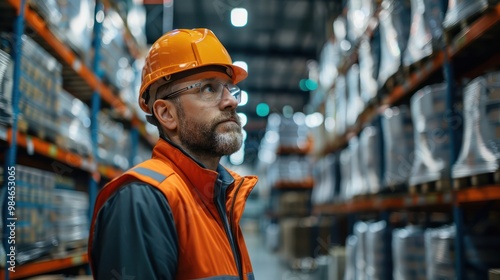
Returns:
(150, 173)
(227, 277)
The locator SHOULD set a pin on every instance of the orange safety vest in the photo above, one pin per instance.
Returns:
(204, 249)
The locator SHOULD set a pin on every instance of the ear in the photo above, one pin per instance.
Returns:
(166, 114)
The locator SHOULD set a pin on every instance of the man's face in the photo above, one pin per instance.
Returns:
(210, 128)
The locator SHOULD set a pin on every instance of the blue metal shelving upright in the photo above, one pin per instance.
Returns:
(96, 101)
(10, 157)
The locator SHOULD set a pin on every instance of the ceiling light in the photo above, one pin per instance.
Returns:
(244, 98)
(241, 64)
(239, 17)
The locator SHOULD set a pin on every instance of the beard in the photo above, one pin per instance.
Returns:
(205, 139)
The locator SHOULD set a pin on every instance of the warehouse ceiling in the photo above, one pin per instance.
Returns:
(277, 43)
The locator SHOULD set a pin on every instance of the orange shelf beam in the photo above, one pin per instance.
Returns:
(109, 172)
(50, 150)
(37, 268)
(478, 194)
(490, 18)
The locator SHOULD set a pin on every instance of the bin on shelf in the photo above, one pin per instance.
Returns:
(397, 132)
(432, 150)
(480, 151)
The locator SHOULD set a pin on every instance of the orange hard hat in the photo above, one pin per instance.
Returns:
(184, 49)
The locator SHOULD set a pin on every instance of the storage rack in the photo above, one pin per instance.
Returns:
(459, 59)
(81, 77)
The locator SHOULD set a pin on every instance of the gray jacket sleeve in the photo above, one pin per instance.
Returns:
(135, 236)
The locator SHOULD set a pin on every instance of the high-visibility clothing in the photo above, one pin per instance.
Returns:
(211, 244)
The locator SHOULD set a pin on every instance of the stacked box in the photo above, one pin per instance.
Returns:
(480, 151)
(426, 29)
(371, 159)
(72, 208)
(114, 142)
(39, 86)
(35, 235)
(408, 252)
(71, 21)
(432, 150)
(6, 74)
(397, 129)
(395, 21)
(74, 124)
(460, 10)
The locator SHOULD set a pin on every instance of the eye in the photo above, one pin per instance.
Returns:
(209, 88)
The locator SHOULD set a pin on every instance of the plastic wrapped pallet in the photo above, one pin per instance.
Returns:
(371, 159)
(72, 222)
(378, 262)
(71, 21)
(394, 32)
(459, 10)
(426, 29)
(369, 56)
(351, 247)
(345, 174)
(35, 235)
(397, 129)
(432, 151)
(328, 63)
(359, 13)
(6, 75)
(355, 104)
(39, 85)
(340, 32)
(340, 106)
(359, 185)
(326, 180)
(408, 253)
(480, 151)
(113, 142)
(74, 124)
(360, 231)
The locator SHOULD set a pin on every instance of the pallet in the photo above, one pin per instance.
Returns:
(430, 187)
(477, 180)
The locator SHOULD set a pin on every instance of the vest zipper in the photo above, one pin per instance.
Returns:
(231, 225)
(228, 230)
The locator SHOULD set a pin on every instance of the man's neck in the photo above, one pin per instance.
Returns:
(206, 160)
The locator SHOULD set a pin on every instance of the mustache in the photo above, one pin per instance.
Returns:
(228, 116)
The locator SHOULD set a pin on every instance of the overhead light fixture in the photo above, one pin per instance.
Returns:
(241, 64)
(239, 17)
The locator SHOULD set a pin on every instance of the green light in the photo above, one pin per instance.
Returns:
(311, 85)
(262, 109)
(302, 85)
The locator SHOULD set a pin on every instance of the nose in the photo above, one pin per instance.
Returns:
(228, 101)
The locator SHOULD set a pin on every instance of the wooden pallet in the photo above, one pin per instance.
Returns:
(477, 180)
(430, 187)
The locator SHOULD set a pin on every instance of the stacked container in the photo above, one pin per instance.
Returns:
(426, 29)
(395, 21)
(6, 74)
(40, 84)
(432, 149)
(371, 159)
(480, 151)
(408, 252)
(74, 124)
(397, 129)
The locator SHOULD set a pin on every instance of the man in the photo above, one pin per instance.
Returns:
(176, 216)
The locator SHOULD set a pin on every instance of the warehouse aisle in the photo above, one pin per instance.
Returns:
(267, 265)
